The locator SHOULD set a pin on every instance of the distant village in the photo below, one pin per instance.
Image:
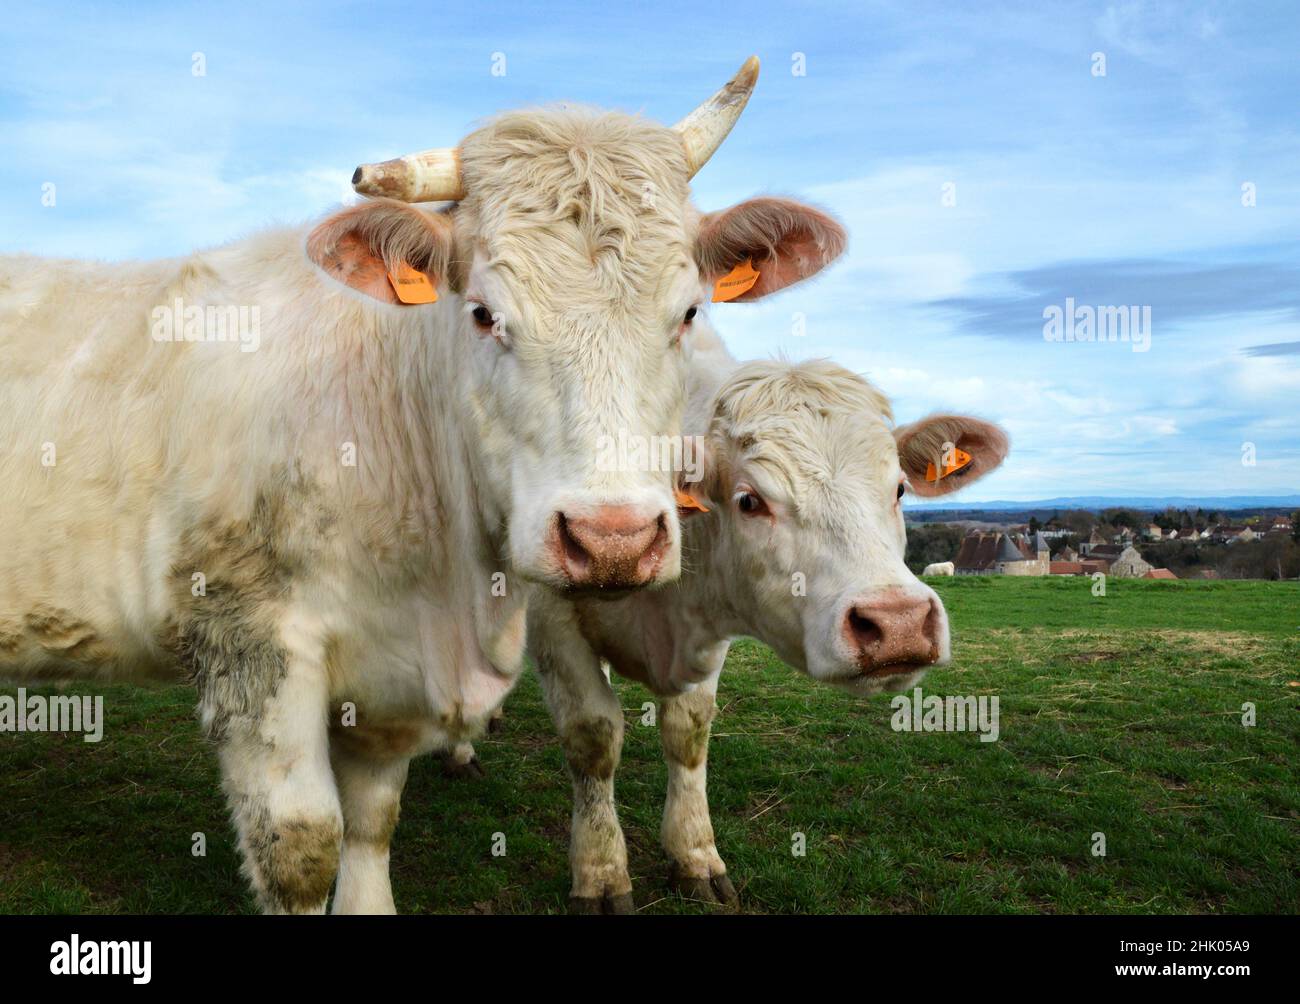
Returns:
(1123, 551)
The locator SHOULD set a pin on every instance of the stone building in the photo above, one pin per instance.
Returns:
(1002, 554)
(1129, 565)
(1095, 539)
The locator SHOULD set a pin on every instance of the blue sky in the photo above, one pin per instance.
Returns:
(1115, 190)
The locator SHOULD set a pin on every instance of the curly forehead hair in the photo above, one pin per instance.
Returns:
(779, 415)
(569, 189)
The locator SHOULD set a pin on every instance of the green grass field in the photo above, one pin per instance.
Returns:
(1120, 715)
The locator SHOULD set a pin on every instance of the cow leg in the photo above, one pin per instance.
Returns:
(687, 831)
(370, 789)
(275, 767)
(589, 718)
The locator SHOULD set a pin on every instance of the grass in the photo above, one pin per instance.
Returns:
(1119, 714)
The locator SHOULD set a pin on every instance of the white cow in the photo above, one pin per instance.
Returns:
(802, 547)
(334, 535)
(939, 568)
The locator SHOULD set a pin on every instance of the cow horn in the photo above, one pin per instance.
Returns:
(434, 175)
(431, 176)
(704, 129)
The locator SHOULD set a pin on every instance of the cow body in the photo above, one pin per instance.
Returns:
(817, 574)
(165, 513)
(199, 520)
(335, 535)
(939, 568)
(333, 524)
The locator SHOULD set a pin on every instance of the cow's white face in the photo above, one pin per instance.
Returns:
(568, 277)
(809, 479)
(578, 243)
(560, 378)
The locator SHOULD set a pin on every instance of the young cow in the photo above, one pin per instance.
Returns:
(801, 547)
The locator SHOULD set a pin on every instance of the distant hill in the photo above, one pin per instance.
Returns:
(1221, 503)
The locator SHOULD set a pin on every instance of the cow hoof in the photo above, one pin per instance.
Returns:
(725, 891)
(496, 725)
(470, 770)
(717, 889)
(606, 905)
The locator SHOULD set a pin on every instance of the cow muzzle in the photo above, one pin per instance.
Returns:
(893, 631)
(610, 548)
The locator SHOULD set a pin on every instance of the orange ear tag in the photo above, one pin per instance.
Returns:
(688, 502)
(412, 286)
(738, 281)
(960, 459)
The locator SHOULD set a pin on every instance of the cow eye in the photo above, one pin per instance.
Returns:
(690, 315)
(482, 316)
(750, 504)
(901, 488)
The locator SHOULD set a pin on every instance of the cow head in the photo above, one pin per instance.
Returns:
(570, 266)
(807, 478)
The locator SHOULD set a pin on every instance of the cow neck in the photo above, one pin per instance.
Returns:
(404, 404)
(439, 478)
(706, 600)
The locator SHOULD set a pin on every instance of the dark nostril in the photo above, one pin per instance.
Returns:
(575, 554)
(931, 628)
(866, 632)
(660, 538)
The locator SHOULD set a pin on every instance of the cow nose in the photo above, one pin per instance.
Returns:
(892, 627)
(614, 547)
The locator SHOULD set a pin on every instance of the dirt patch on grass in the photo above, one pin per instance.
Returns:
(1101, 655)
(1214, 642)
(11, 857)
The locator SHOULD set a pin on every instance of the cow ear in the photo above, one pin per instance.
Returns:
(930, 449)
(786, 241)
(361, 245)
(696, 483)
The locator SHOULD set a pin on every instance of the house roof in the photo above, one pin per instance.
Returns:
(977, 551)
(982, 550)
(1007, 551)
(1159, 573)
(1065, 568)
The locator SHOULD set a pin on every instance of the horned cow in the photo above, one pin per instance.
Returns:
(334, 528)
